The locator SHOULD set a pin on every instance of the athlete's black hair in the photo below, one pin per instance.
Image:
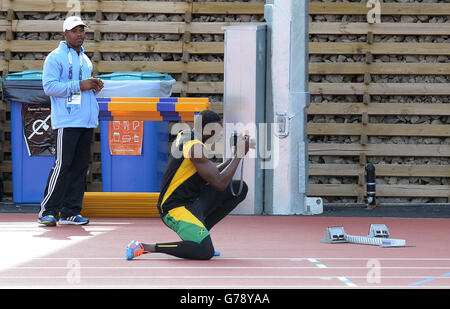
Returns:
(208, 116)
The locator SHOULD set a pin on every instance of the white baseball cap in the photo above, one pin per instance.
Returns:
(71, 22)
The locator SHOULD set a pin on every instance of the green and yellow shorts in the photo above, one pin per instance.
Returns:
(185, 224)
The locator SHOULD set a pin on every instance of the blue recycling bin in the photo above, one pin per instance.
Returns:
(29, 173)
(136, 173)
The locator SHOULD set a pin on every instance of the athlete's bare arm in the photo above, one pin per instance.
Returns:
(222, 165)
(219, 180)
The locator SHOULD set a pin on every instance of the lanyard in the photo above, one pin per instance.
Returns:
(69, 55)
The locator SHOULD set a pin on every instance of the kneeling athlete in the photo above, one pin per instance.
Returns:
(195, 195)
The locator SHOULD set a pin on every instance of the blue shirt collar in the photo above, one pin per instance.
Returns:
(64, 45)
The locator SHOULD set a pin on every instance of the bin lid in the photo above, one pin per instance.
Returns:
(25, 87)
(25, 75)
(155, 76)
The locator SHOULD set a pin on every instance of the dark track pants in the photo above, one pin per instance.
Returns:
(67, 179)
(211, 207)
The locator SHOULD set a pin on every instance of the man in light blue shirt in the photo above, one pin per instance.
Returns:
(67, 80)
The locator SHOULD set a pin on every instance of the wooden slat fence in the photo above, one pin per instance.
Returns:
(363, 106)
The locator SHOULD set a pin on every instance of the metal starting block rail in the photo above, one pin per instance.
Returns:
(378, 236)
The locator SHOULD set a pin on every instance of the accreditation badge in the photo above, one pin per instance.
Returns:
(73, 102)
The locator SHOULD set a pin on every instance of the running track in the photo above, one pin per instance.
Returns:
(261, 252)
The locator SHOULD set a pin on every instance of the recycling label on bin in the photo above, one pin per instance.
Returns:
(37, 130)
(125, 137)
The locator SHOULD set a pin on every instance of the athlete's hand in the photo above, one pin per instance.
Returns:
(247, 143)
(242, 147)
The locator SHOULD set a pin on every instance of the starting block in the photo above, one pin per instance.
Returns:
(378, 230)
(378, 236)
(334, 234)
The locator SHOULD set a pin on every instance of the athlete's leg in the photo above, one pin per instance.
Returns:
(216, 206)
(193, 223)
(187, 223)
(220, 204)
(185, 249)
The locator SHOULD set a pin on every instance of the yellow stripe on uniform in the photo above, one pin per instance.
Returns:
(186, 170)
(182, 214)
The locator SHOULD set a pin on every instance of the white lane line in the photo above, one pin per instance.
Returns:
(246, 258)
(347, 282)
(342, 279)
(205, 287)
(172, 267)
(226, 267)
(211, 277)
(384, 259)
(317, 263)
